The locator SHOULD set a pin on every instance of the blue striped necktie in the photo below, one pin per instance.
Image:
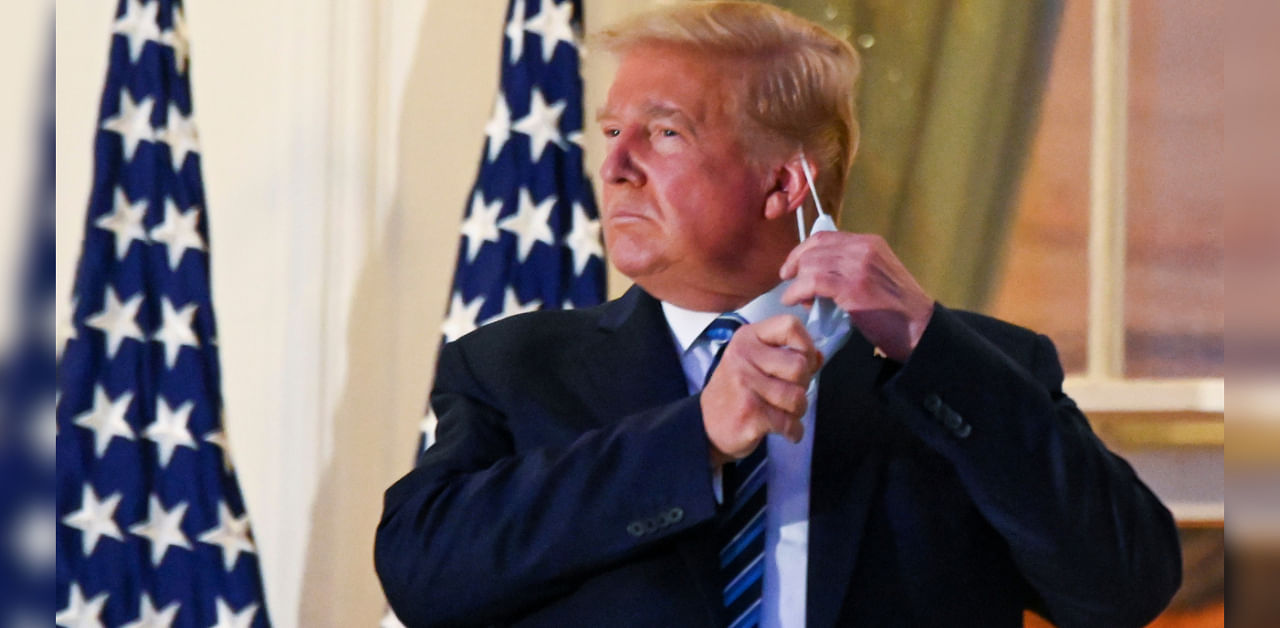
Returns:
(741, 526)
(718, 334)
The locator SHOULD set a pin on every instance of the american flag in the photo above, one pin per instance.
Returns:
(151, 526)
(27, 545)
(531, 232)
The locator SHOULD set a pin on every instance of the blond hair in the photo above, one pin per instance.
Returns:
(801, 86)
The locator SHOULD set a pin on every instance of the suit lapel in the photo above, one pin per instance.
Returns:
(633, 366)
(631, 360)
(845, 471)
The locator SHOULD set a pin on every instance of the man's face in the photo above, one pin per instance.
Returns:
(683, 201)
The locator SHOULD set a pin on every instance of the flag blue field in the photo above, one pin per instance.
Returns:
(151, 525)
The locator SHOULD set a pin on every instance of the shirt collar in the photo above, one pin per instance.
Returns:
(687, 325)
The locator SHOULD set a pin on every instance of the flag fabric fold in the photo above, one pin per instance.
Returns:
(151, 524)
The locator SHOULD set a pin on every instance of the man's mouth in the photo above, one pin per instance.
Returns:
(626, 215)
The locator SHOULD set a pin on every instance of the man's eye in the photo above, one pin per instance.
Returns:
(669, 133)
(612, 132)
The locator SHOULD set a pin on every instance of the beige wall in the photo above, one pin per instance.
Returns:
(18, 138)
(339, 139)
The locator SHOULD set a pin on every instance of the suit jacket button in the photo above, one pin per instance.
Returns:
(932, 403)
(963, 431)
(636, 528)
(952, 420)
(674, 515)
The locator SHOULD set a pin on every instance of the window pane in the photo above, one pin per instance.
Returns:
(1044, 282)
(1173, 274)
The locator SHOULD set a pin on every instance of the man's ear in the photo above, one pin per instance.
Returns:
(790, 188)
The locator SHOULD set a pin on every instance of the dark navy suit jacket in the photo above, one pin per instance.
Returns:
(570, 486)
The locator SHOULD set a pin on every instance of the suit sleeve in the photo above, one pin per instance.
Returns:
(481, 531)
(1092, 540)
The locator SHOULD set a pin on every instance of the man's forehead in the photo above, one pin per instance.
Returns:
(652, 86)
(650, 107)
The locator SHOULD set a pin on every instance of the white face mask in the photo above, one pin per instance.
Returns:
(828, 325)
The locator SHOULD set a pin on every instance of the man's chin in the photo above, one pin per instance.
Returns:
(632, 249)
(636, 267)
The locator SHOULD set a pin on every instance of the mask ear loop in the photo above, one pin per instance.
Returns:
(813, 191)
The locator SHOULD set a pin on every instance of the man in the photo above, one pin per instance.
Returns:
(584, 476)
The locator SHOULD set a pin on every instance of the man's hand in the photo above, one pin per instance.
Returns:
(864, 278)
(759, 387)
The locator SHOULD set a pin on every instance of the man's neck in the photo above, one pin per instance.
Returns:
(686, 325)
(701, 298)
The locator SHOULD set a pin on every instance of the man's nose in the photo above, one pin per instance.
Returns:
(619, 165)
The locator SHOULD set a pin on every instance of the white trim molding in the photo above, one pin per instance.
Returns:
(1147, 395)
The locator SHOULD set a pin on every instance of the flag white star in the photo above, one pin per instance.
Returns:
(106, 419)
(117, 320)
(149, 617)
(227, 618)
(178, 232)
(138, 25)
(95, 519)
(498, 128)
(180, 134)
(169, 430)
(389, 620)
(163, 528)
(481, 224)
(81, 613)
(542, 125)
(554, 23)
(125, 221)
(530, 223)
(33, 541)
(175, 330)
(584, 239)
(43, 435)
(427, 426)
(231, 535)
(176, 38)
(218, 438)
(515, 31)
(511, 305)
(461, 319)
(133, 122)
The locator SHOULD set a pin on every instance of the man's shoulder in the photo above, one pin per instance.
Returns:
(995, 329)
(536, 324)
(532, 335)
(1013, 339)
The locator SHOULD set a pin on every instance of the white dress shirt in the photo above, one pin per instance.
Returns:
(786, 541)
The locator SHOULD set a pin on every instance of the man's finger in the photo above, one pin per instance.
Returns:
(785, 363)
(788, 426)
(789, 365)
(792, 262)
(801, 291)
(784, 330)
(785, 396)
(793, 430)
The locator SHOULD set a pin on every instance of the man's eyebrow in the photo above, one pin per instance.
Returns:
(653, 110)
(658, 110)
